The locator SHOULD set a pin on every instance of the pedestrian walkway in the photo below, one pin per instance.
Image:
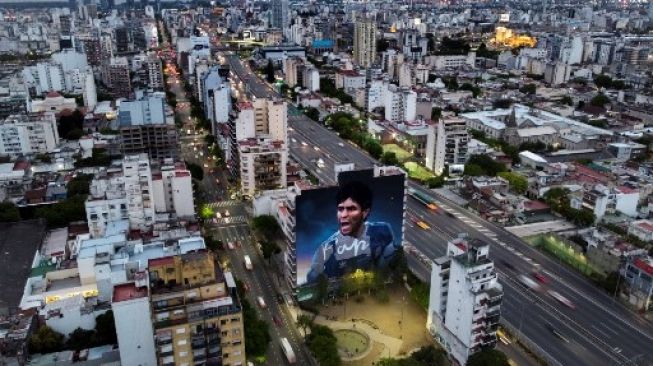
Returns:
(222, 204)
(392, 344)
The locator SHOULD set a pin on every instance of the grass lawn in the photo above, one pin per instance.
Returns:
(417, 171)
(401, 154)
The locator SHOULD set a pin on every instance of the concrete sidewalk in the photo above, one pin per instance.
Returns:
(392, 344)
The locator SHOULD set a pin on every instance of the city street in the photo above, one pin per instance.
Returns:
(597, 331)
(234, 227)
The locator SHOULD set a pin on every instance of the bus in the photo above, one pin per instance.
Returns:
(423, 198)
(287, 350)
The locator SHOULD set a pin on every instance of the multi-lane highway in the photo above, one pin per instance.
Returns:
(597, 331)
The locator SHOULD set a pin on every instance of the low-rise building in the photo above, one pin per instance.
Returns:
(642, 229)
(638, 282)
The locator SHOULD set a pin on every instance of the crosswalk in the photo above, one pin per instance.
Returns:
(223, 204)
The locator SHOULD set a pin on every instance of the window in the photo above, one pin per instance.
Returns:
(180, 331)
(182, 342)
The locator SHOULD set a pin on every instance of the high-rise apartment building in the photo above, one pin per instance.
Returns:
(134, 190)
(122, 192)
(280, 14)
(32, 133)
(446, 144)
(259, 131)
(262, 165)
(196, 312)
(400, 104)
(365, 42)
(465, 299)
(216, 96)
(115, 75)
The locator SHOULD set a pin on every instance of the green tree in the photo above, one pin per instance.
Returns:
(269, 248)
(436, 113)
(196, 171)
(304, 321)
(389, 158)
(81, 339)
(603, 81)
(266, 226)
(44, 158)
(518, 182)
(600, 100)
(70, 125)
(373, 147)
(79, 185)
(257, 331)
(312, 113)
(105, 327)
(323, 345)
(436, 182)
(473, 170)
(45, 340)
(567, 100)
(9, 212)
(64, 212)
(488, 357)
(269, 72)
(528, 89)
(476, 91)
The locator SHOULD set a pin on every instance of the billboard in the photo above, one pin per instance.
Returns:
(357, 224)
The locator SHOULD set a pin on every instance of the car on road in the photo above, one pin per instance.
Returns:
(529, 283)
(540, 278)
(218, 215)
(230, 245)
(450, 214)
(561, 299)
(261, 303)
(277, 320)
(226, 213)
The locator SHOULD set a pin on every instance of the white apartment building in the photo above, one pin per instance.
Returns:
(263, 165)
(465, 299)
(451, 61)
(376, 91)
(131, 311)
(258, 149)
(400, 104)
(262, 117)
(216, 96)
(130, 186)
(446, 144)
(311, 78)
(129, 190)
(172, 190)
(32, 133)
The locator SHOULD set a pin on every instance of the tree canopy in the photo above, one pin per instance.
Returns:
(488, 357)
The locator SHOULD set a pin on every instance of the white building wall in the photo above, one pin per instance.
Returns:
(182, 196)
(135, 333)
(627, 203)
(278, 120)
(161, 204)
